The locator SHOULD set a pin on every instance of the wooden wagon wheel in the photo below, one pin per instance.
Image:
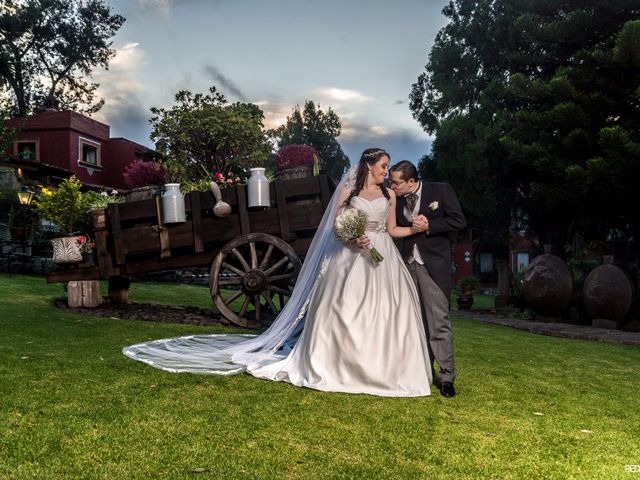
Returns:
(252, 278)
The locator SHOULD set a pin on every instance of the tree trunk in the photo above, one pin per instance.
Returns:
(502, 299)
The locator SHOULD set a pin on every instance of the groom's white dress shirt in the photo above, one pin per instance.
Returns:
(415, 254)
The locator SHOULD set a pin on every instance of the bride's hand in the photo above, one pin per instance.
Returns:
(360, 242)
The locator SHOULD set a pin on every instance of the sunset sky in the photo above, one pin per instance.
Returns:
(357, 57)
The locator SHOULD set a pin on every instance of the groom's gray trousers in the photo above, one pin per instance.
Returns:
(435, 315)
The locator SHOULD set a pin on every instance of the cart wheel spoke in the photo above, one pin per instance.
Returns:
(230, 281)
(282, 291)
(285, 276)
(235, 270)
(241, 259)
(233, 297)
(270, 303)
(254, 255)
(266, 258)
(256, 305)
(245, 305)
(276, 266)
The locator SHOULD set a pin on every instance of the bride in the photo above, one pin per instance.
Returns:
(350, 325)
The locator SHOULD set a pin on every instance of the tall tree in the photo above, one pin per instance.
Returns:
(7, 134)
(50, 48)
(535, 110)
(204, 134)
(458, 98)
(318, 129)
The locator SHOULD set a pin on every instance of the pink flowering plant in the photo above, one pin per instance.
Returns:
(295, 155)
(142, 174)
(85, 243)
(228, 180)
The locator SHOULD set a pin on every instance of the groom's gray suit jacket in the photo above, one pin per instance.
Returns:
(435, 245)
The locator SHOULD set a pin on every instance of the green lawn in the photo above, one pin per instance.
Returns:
(72, 406)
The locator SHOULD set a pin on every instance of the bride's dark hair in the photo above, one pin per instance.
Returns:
(369, 157)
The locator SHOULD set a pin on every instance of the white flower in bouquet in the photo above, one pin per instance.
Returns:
(350, 225)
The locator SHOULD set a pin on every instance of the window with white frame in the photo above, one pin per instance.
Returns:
(89, 153)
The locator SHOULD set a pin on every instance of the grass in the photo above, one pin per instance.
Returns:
(74, 407)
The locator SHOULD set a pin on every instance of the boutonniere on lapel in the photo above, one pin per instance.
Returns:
(434, 206)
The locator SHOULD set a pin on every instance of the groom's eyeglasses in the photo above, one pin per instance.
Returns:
(397, 183)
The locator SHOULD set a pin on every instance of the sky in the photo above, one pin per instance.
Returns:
(357, 57)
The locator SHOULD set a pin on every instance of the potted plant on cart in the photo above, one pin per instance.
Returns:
(145, 180)
(66, 207)
(467, 287)
(297, 161)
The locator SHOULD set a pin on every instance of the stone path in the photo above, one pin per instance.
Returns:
(566, 330)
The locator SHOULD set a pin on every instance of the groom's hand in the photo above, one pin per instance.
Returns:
(420, 224)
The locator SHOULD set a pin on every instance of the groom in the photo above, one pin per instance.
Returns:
(428, 257)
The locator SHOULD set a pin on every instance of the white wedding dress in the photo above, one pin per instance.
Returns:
(363, 331)
(353, 327)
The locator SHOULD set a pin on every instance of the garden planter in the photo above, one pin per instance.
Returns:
(66, 250)
(88, 259)
(98, 217)
(465, 302)
(295, 172)
(141, 193)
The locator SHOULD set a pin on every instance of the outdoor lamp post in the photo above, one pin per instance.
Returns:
(24, 197)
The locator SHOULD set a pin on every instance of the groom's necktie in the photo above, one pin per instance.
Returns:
(410, 201)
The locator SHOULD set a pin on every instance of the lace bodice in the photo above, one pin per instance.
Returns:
(377, 210)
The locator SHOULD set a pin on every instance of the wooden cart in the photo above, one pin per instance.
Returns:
(253, 254)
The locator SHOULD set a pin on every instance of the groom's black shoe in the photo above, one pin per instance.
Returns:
(447, 390)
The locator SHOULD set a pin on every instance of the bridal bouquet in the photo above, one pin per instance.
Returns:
(351, 224)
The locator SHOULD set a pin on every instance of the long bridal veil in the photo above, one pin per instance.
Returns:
(227, 354)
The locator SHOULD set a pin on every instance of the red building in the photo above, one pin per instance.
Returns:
(60, 143)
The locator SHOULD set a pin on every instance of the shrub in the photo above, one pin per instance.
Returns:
(103, 199)
(468, 285)
(67, 206)
(142, 174)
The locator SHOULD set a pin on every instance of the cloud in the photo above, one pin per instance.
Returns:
(341, 95)
(163, 6)
(122, 90)
(379, 131)
(228, 86)
(275, 113)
